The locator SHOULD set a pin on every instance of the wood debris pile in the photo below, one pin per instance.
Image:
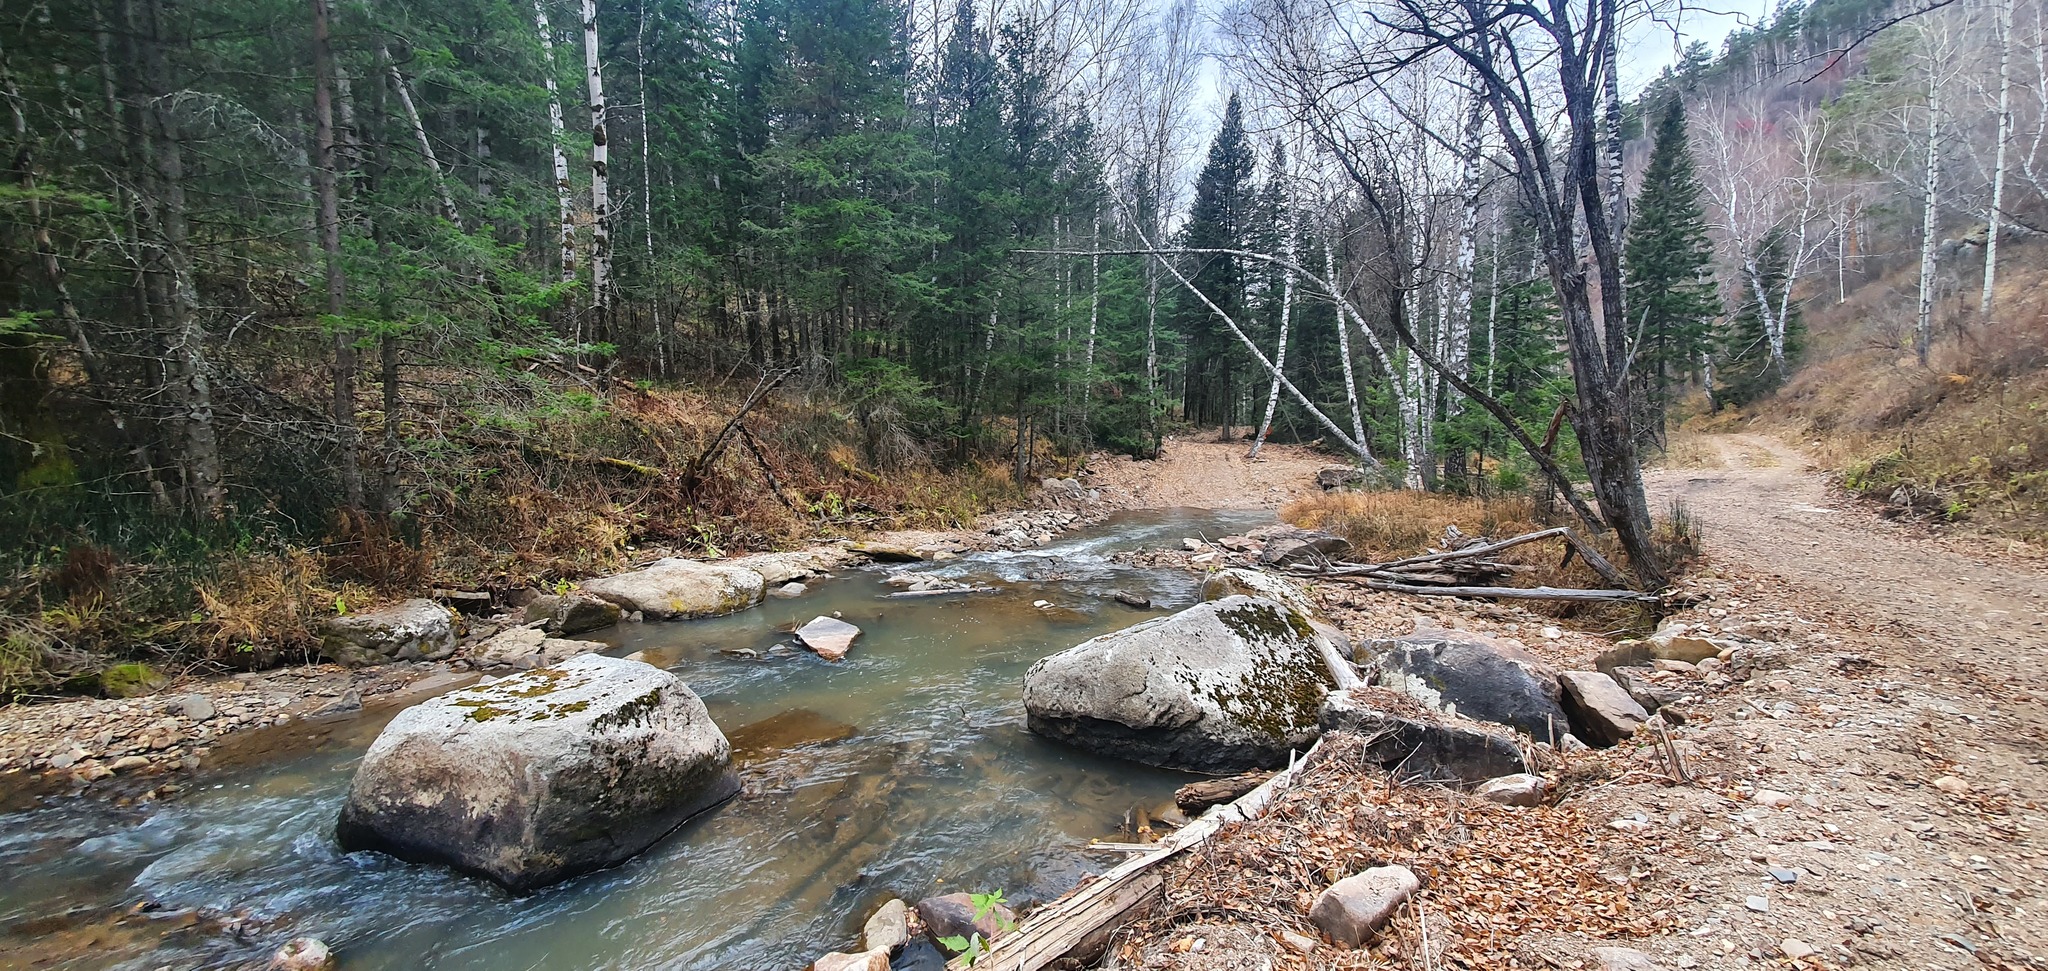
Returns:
(1468, 568)
(1491, 875)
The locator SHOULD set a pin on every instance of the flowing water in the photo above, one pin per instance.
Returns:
(904, 770)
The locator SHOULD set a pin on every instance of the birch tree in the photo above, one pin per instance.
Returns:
(557, 142)
(600, 176)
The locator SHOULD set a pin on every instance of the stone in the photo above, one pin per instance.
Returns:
(1952, 785)
(350, 700)
(871, 960)
(1298, 943)
(829, 637)
(1440, 749)
(1331, 478)
(1520, 789)
(952, 915)
(540, 776)
(1796, 949)
(1674, 667)
(1222, 686)
(789, 590)
(1307, 547)
(1647, 693)
(1474, 676)
(1134, 600)
(1241, 582)
(1192, 544)
(1353, 909)
(302, 954)
(888, 929)
(129, 763)
(1672, 643)
(1772, 798)
(678, 589)
(196, 707)
(580, 612)
(1621, 959)
(131, 679)
(777, 569)
(1783, 875)
(1761, 905)
(1600, 711)
(886, 553)
(525, 648)
(412, 630)
(540, 608)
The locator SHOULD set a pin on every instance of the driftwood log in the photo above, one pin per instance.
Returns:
(1195, 797)
(1471, 571)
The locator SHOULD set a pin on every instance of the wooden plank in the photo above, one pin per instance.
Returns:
(1085, 918)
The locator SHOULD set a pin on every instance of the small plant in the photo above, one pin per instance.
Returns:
(974, 947)
(340, 606)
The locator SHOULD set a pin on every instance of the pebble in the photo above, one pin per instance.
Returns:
(1952, 785)
(1772, 798)
(1783, 875)
(1795, 948)
(129, 762)
(1758, 904)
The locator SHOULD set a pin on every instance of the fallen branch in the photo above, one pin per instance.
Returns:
(1506, 593)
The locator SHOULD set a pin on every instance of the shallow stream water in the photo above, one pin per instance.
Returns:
(904, 770)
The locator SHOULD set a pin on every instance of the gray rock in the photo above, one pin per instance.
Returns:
(1520, 789)
(197, 707)
(1600, 711)
(677, 589)
(1241, 582)
(1472, 675)
(414, 630)
(1647, 693)
(1353, 909)
(777, 569)
(872, 960)
(1331, 478)
(580, 612)
(1672, 643)
(1307, 547)
(830, 637)
(1621, 959)
(528, 647)
(540, 776)
(1129, 599)
(887, 553)
(540, 608)
(789, 590)
(953, 916)
(302, 954)
(888, 929)
(1444, 749)
(1222, 686)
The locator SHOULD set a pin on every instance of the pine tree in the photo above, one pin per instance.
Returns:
(1670, 290)
(1225, 198)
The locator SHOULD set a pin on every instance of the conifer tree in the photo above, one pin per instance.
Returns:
(1225, 199)
(1670, 288)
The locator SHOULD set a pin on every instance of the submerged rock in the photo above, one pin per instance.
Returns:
(413, 630)
(1463, 673)
(873, 960)
(677, 589)
(540, 776)
(302, 954)
(829, 637)
(1222, 686)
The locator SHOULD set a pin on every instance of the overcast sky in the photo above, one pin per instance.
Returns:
(1650, 48)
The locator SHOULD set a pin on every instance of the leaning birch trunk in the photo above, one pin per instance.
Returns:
(1923, 330)
(600, 176)
(328, 193)
(566, 221)
(403, 91)
(1344, 342)
(1286, 312)
(1998, 158)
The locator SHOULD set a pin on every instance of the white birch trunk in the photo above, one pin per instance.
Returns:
(1344, 338)
(403, 91)
(2005, 11)
(600, 172)
(1923, 330)
(1286, 312)
(555, 130)
(1094, 317)
(1460, 331)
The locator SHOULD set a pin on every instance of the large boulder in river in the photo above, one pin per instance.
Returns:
(540, 776)
(677, 589)
(412, 630)
(1240, 582)
(1478, 677)
(1221, 686)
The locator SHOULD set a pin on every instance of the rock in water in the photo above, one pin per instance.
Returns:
(888, 929)
(1222, 686)
(580, 612)
(953, 916)
(876, 960)
(1355, 908)
(302, 954)
(1240, 582)
(414, 630)
(1601, 712)
(1475, 676)
(540, 776)
(676, 589)
(528, 647)
(830, 637)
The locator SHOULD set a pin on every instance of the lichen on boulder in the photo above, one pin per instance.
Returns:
(1227, 685)
(411, 630)
(540, 776)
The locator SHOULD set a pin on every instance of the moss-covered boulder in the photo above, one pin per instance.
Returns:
(541, 776)
(1227, 685)
(678, 589)
(1240, 582)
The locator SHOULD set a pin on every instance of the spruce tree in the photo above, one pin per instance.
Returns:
(1225, 198)
(1670, 289)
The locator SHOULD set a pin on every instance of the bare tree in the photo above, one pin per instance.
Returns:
(566, 225)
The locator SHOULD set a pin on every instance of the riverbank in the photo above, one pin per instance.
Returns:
(136, 748)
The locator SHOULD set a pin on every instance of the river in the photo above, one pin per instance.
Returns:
(904, 770)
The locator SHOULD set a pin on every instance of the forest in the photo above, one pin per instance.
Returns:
(395, 280)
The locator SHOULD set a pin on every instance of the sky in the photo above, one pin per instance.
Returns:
(1649, 49)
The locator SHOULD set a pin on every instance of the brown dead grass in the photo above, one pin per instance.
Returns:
(1388, 525)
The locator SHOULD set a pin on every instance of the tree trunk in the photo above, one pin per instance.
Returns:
(1344, 341)
(419, 134)
(566, 221)
(600, 179)
(1923, 331)
(342, 404)
(2005, 11)
(1286, 311)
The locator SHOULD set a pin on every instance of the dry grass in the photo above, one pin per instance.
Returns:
(267, 609)
(1387, 525)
